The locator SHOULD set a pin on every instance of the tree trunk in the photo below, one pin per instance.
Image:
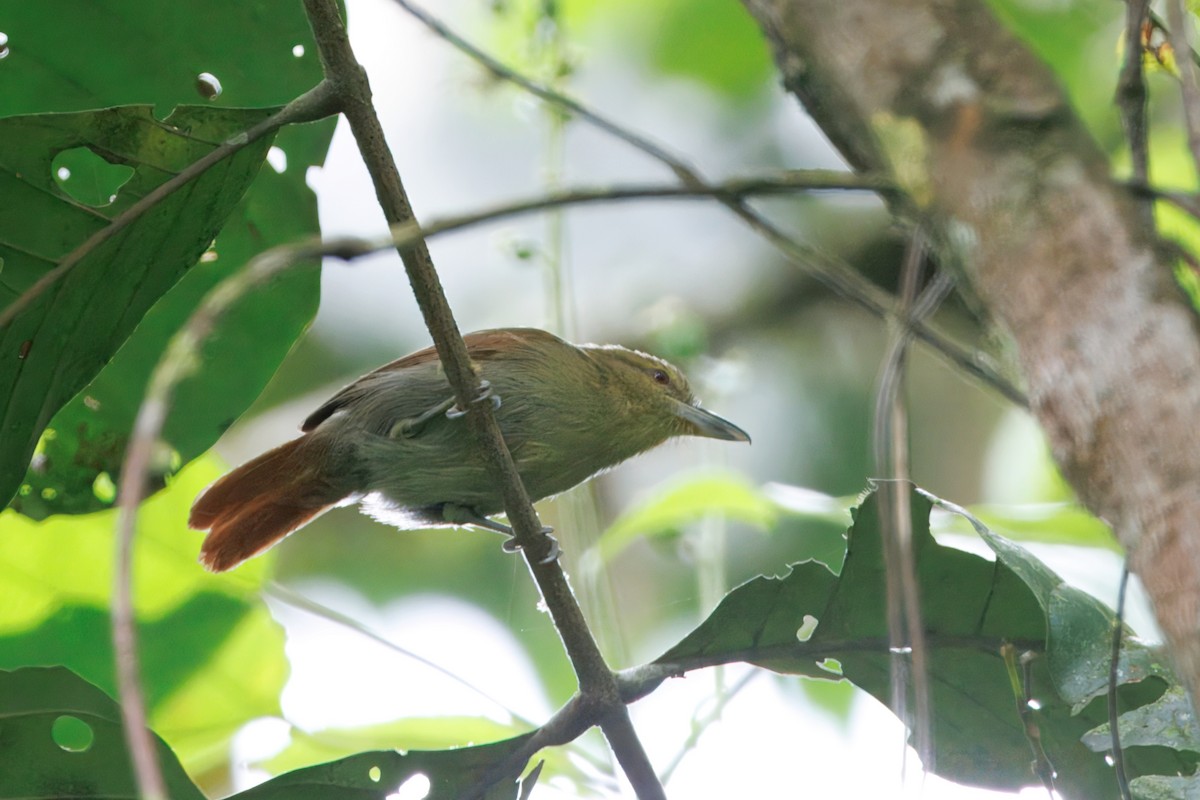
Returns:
(993, 159)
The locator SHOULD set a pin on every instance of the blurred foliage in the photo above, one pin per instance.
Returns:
(212, 658)
(711, 42)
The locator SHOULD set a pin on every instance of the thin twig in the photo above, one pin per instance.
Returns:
(298, 601)
(701, 724)
(1114, 671)
(637, 682)
(139, 740)
(179, 361)
(891, 461)
(833, 273)
(597, 684)
(1018, 677)
(1131, 95)
(317, 103)
(1180, 29)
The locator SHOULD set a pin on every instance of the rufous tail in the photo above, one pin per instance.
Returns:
(259, 503)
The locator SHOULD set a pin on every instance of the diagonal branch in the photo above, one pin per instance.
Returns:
(597, 684)
(1131, 96)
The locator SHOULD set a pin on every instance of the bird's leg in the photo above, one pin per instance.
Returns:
(411, 426)
(485, 393)
(461, 515)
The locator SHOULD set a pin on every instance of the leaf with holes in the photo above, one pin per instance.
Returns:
(63, 737)
(61, 340)
(812, 623)
(263, 57)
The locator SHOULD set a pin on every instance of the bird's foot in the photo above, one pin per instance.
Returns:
(485, 393)
(411, 426)
(461, 515)
(511, 545)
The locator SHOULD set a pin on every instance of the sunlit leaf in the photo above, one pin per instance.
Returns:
(686, 500)
(212, 657)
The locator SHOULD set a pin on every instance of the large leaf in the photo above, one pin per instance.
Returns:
(812, 623)
(64, 737)
(121, 52)
(62, 339)
(264, 57)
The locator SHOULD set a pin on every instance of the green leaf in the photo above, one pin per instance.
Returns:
(212, 656)
(686, 500)
(451, 774)
(263, 57)
(405, 734)
(63, 737)
(1055, 523)
(53, 66)
(62, 339)
(715, 42)
(1170, 721)
(253, 339)
(1165, 787)
(812, 623)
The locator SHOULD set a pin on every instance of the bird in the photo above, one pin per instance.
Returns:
(392, 440)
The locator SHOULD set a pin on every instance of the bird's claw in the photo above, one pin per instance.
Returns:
(512, 546)
(485, 393)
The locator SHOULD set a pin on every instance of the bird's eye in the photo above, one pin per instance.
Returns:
(662, 378)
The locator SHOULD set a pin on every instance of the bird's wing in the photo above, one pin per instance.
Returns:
(482, 346)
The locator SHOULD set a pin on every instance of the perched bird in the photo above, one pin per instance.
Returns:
(392, 440)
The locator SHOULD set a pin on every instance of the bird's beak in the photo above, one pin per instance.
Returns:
(705, 423)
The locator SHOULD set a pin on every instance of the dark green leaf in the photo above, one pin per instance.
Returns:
(263, 56)
(971, 607)
(1170, 721)
(1165, 787)
(61, 340)
(76, 54)
(62, 737)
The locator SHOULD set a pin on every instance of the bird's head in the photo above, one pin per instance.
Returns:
(656, 394)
